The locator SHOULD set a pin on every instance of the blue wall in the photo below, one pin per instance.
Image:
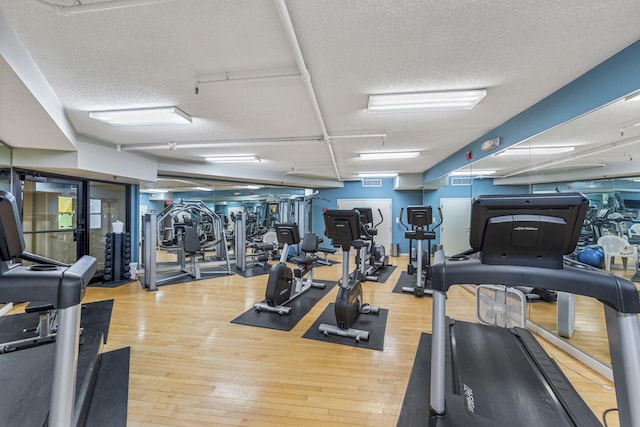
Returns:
(402, 199)
(354, 190)
(614, 78)
(478, 187)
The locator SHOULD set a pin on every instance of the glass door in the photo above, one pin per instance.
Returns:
(107, 206)
(53, 220)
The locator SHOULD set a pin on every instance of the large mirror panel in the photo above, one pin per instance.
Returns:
(597, 154)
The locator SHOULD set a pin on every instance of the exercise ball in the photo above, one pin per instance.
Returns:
(592, 255)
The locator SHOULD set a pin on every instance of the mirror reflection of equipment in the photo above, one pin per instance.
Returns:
(519, 240)
(420, 218)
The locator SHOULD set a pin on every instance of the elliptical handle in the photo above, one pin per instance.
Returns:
(402, 223)
(381, 218)
(439, 222)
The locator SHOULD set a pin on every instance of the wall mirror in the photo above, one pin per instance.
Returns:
(597, 154)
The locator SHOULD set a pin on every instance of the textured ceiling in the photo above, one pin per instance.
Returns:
(157, 54)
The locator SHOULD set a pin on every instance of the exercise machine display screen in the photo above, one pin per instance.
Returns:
(419, 216)
(366, 215)
(342, 227)
(529, 229)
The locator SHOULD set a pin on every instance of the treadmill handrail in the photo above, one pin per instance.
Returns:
(619, 293)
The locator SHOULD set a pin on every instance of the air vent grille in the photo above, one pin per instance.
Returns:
(371, 182)
(460, 180)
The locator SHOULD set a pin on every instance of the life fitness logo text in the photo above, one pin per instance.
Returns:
(468, 397)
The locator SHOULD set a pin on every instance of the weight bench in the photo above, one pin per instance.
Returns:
(44, 332)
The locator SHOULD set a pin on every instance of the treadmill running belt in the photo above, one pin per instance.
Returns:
(505, 384)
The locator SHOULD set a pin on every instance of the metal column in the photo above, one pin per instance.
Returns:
(150, 245)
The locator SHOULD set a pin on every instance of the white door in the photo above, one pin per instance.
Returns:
(454, 231)
(384, 230)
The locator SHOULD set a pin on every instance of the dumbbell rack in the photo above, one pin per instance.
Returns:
(117, 257)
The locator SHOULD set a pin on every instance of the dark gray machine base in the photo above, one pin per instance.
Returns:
(376, 324)
(415, 406)
(494, 377)
(383, 273)
(407, 280)
(95, 317)
(108, 405)
(299, 308)
(252, 271)
(101, 381)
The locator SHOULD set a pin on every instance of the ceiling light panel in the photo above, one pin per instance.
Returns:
(633, 97)
(426, 101)
(535, 151)
(142, 117)
(389, 155)
(473, 172)
(377, 175)
(233, 159)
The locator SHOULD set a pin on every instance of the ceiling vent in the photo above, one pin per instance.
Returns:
(460, 180)
(371, 182)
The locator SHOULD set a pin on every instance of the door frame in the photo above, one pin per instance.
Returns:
(81, 236)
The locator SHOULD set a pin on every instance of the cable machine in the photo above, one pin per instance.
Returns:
(195, 229)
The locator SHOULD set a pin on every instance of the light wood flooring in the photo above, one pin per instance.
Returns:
(191, 367)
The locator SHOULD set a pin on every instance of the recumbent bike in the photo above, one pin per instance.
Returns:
(344, 228)
(283, 284)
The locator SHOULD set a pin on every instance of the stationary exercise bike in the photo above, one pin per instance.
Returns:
(372, 256)
(283, 284)
(420, 217)
(343, 227)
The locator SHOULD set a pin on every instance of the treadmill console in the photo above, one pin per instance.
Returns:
(534, 230)
(49, 281)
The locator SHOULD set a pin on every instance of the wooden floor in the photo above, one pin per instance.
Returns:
(191, 367)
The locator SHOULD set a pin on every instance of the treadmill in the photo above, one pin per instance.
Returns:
(486, 376)
(49, 384)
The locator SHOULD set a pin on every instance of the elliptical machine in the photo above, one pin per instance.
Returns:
(283, 284)
(343, 227)
(420, 217)
(374, 256)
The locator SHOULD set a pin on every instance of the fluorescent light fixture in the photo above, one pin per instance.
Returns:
(202, 189)
(233, 159)
(253, 187)
(535, 151)
(426, 101)
(473, 172)
(142, 117)
(633, 97)
(155, 190)
(377, 175)
(389, 155)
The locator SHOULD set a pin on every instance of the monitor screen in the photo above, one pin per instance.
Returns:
(527, 229)
(419, 216)
(342, 227)
(366, 215)
(11, 240)
(288, 232)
